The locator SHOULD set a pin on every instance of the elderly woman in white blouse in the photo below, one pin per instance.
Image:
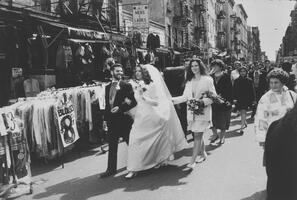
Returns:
(197, 83)
(274, 104)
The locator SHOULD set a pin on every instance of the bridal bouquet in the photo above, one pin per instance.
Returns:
(197, 105)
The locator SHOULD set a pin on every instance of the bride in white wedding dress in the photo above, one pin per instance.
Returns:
(156, 133)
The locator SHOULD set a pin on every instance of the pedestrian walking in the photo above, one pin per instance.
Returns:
(221, 113)
(197, 83)
(273, 105)
(119, 98)
(267, 66)
(291, 83)
(244, 95)
(235, 73)
(260, 82)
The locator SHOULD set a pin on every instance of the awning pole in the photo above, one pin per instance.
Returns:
(55, 38)
(100, 24)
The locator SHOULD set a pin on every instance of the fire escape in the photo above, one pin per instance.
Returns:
(200, 26)
(221, 34)
(235, 30)
(183, 18)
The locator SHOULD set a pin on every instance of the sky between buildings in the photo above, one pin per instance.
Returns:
(272, 17)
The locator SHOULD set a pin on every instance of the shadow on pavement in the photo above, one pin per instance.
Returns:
(40, 166)
(257, 196)
(185, 152)
(94, 186)
(233, 133)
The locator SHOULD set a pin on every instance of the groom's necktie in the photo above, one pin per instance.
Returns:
(112, 93)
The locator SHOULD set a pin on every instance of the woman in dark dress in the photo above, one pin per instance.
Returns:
(281, 158)
(221, 113)
(244, 95)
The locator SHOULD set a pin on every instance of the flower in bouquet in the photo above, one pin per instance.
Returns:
(142, 86)
(217, 99)
(196, 106)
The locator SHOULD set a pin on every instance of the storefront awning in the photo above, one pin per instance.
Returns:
(159, 50)
(86, 34)
(81, 33)
(87, 41)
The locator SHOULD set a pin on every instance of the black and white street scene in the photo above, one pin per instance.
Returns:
(148, 99)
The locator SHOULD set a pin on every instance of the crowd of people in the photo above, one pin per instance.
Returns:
(142, 112)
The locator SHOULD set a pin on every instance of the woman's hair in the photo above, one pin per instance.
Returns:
(146, 77)
(218, 62)
(190, 73)
(134, 71)
(278, 74)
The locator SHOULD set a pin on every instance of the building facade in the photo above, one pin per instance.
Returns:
(241, 32)
(156, 23)
(227, 23)
(256, 44)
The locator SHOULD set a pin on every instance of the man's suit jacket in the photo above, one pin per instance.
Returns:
(120, 121)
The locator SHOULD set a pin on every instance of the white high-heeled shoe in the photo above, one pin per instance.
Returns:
(131, 175)
(191, 166)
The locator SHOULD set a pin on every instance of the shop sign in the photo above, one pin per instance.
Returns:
(9, 124)
(87, 34)
(140, 16)
(66, 120)
(117, 37)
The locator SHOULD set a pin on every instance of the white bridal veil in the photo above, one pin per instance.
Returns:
(166, 110)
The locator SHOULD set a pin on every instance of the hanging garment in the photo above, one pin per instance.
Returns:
(64, 57)
(31, 87)
(66, 120)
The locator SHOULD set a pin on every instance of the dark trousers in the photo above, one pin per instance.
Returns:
(117, 128)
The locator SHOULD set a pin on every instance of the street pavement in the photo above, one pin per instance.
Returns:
(232, 172)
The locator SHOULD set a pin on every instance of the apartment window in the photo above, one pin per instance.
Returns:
(182, 37)
(176, 34)
(169, 35)
(187, 39)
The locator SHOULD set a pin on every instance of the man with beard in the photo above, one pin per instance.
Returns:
(119, 98)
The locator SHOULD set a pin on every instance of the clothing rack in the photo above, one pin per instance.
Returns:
(54, 95)
(14, 142)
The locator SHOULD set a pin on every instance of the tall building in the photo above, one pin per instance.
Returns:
(290, 40)
(221, 37)
(159, 14)
(256, 44)
(250, 45)
(288, 49)
(242, 34)
(227, 23)
(206, 25)
(183, 24)
(211, 19)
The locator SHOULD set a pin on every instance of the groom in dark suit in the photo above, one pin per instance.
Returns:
(119, 98)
